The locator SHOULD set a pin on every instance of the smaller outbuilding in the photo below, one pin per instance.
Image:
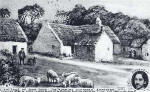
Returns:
(136, 48)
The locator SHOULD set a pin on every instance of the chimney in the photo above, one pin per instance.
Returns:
(98, 21)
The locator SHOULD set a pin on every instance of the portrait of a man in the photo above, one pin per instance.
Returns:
(140, 80)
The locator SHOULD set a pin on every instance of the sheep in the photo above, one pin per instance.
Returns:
(53, 76)
(42, 78)
(8, 85)
(86, 83)
(67, 74)
(31, 61)
(28, 80)
(70, 79)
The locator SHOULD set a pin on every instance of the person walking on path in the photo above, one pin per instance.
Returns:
(22, 55)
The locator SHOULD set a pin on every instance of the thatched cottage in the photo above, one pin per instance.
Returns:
(132, 48)
(12, 36)
(96, 43)
(54, 39)
(90, 42)
(141, 48)
(136, 48)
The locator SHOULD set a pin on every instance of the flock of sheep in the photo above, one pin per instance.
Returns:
(71, 79)
(66, 80)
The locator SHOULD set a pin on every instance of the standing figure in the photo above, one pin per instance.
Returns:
(22, 55)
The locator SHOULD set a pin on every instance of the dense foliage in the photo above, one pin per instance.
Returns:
(31, 12)
(26, 18)
(4, 13)
(31, 30)
(9, 70)
(76, 16)
(126, 27)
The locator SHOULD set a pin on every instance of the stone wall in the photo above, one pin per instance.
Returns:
(104, 48)
(84, 52)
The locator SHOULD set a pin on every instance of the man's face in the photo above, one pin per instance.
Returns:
(139, 81)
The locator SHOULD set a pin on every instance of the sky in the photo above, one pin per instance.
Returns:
(139, 8)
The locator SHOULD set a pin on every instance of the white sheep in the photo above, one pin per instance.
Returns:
(67, 74)
(28, 80)
(53, 76)
(86, 83)
(42, 78)
(70, 79)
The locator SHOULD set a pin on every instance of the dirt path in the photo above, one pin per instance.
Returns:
(94, 65)
(104, 75)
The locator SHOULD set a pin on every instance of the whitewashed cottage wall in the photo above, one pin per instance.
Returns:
(66, 50)
(104, 48)
(9, 45)
(146, 51)
(47, 42)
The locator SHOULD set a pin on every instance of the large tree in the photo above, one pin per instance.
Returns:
(29, 13)
(135, 29)
(96, 11)
(118, 21)
(76, 16)
(31, 30)
(26, 18)
(125, 27)
(4, 13)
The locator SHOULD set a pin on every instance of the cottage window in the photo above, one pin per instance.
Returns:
(53, 46)
(124, 49)
(147, 54)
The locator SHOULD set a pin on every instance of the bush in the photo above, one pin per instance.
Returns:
(6, 53)
(9, 70)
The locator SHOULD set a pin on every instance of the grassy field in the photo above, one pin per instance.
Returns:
(101, 78)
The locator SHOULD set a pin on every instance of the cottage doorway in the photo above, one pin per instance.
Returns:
(14, 48)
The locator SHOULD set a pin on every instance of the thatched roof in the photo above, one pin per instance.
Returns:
(73, 34)
(65, 32)
(87, 39)
(90, 29)
(68, 33)
(125, 42)
(10, 30)
(93, 37)
(112, 35)
(138, 42)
